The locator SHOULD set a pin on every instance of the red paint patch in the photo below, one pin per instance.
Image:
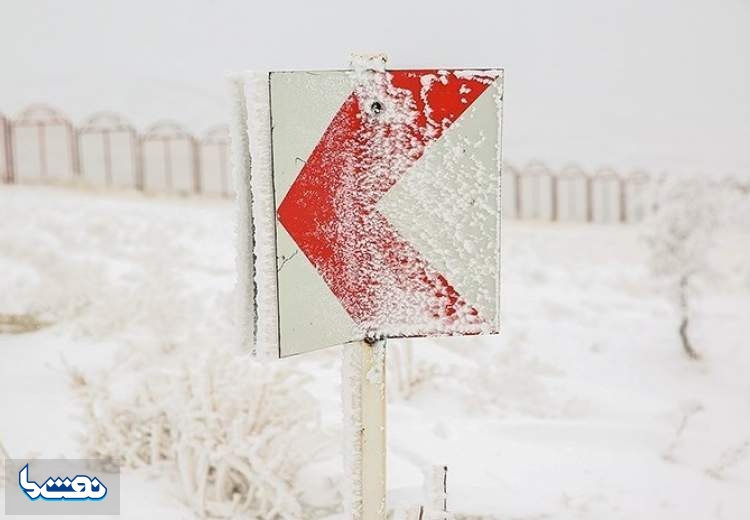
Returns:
(329, 211)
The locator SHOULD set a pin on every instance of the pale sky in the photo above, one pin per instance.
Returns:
(662, 85)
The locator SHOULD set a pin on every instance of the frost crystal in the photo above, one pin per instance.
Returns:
(242, 169)
(256, 230)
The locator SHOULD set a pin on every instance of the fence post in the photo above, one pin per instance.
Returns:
(553, 196)
(107, 150)
(167, 164)
(41, 137)
(196, 165)
(75, 150)
(223, 172)
(140, 162)
(8, 149)
(138, 174)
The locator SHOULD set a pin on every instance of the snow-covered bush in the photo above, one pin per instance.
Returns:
(679, 234)
(48, 284)
(234, 431)
(138, 273)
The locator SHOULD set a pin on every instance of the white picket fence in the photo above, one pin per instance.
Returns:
(42, 145)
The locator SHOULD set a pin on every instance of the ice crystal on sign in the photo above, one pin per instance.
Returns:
(383, 282)
(386, 198)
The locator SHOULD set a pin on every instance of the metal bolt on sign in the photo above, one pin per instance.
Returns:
(369, 209)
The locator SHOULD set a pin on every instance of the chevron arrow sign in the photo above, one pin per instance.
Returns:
(376, 205)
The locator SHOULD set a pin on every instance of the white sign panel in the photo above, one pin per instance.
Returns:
(377, 205)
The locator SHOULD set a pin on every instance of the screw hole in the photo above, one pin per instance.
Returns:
(372, 337)
(376, 107)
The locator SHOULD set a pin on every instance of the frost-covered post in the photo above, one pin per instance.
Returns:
(364, 403)
(436, 483)
(364, 400)
(242, 172)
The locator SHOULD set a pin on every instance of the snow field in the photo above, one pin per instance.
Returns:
(584, 408)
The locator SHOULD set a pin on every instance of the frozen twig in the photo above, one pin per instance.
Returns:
(669, 453)
(729, 459)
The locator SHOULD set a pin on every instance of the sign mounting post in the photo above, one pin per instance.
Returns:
(369, 209)
(364, 405)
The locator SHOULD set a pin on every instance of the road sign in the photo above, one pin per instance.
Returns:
(379, 191)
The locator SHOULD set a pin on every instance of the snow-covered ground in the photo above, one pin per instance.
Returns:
(584, 408)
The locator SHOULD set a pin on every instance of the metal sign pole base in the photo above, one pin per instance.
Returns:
(364, 400)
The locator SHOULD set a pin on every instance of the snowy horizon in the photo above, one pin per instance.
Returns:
(661, 87)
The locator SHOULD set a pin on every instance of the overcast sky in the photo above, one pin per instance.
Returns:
(652, 84)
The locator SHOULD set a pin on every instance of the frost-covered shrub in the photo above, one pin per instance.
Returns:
(679, 235)
(114, 270)
(680, 230)
(48, 284)
(236, 432)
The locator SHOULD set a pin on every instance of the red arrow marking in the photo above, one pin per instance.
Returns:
(379, 132)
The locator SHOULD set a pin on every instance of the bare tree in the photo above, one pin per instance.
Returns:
(682, 295)
(679, 235)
